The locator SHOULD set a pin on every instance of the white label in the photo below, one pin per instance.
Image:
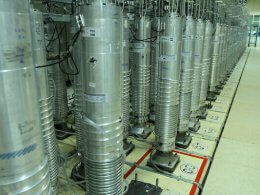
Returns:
(167, 39)
(91, 32)
(92, 84)
(138, 46)
(95, 98)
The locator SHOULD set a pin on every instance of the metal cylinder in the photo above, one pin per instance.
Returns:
(60, 106)
(223, 55)
(23, 163)
(125, 77)
(102, 122)
(215, 58)
(141, 71)
(78, 79)
(57, 80)
(187, 63)
(207, 55)
(221, 46)
(198, 59)
(156, 27)
(167, 104)
(45, 99)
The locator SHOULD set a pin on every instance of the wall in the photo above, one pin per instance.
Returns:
(253, 7)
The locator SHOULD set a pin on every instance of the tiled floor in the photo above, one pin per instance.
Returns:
(236, 166)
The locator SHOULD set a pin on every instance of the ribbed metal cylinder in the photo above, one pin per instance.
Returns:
(125, 77)
(215, 58)
(103, 133)
(45, 99)
(23, 163)
(223, 54)
(187, 63)
(57, 81)
(207, 56)
(60, 106)
(221, 46)
(140, 77)
(78, 97)
(167, 104)
(198, 59)
(154, 62)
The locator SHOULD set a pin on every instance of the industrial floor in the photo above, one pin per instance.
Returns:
(224, 155)
(236, 165)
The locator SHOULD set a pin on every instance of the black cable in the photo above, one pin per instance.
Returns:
(59, 33)
(144, 40)
(67, 56)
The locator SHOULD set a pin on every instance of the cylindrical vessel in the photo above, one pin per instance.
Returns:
(207, 55)
(215, 58)
(78, 98)
(187, 63)
(221, 46)
(156, 27)
(125, 77)
(60, 106)
(45, 99)
(140, 53)
(198, 58)
(57, 80)
(102, 122)
(167, 106)
(23, 163)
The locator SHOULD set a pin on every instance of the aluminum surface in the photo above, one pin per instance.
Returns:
(198, 59)
(23, 163)
(45, 99)
(215, 58)
(102, 114)
(187, 63)
(154, 62)
(140, 53)
(167, 104)
(125, 77)
(207, 56)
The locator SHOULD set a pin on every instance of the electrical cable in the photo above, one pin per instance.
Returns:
(144, 40)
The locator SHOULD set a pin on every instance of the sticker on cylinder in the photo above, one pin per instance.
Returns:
(91, 32)
(95, 98)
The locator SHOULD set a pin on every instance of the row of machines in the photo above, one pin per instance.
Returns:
(135, 68)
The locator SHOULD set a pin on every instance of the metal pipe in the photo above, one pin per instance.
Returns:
(23, 163)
